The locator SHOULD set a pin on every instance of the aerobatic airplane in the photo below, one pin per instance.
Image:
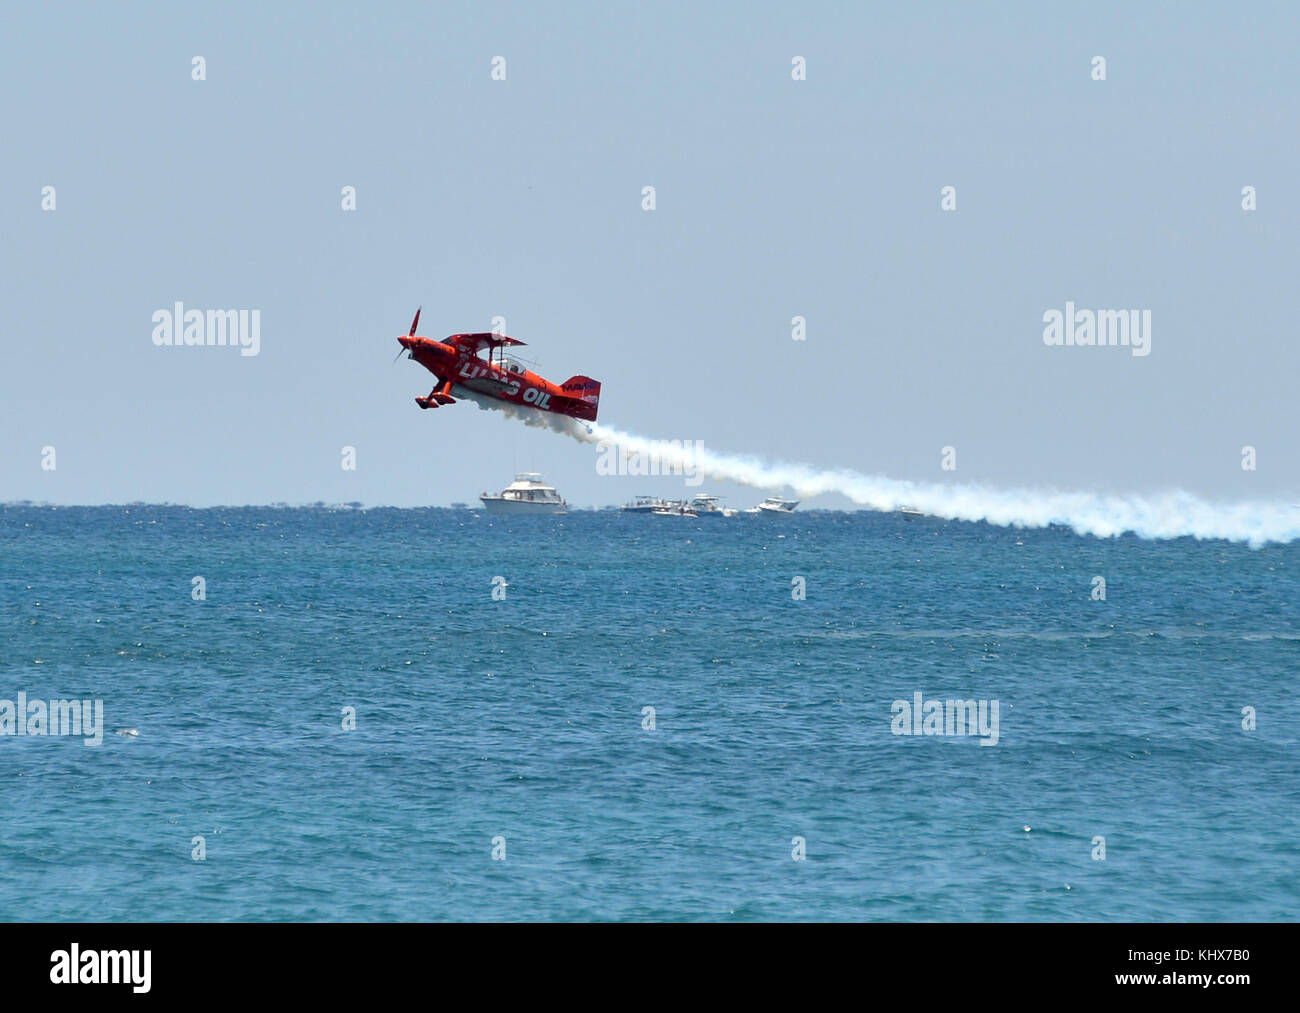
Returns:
(457, 363)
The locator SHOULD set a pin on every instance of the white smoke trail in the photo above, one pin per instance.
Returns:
(1161, 515)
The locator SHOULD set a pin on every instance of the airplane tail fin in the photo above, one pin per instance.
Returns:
(585, 393)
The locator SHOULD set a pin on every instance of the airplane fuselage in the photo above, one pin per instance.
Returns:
(446, 362)
(459, 366)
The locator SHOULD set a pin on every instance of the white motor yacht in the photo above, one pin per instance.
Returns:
(527, 494)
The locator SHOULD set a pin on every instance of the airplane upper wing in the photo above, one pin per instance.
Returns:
(480, 340)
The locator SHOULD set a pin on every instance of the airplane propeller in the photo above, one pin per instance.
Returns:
(414, 324)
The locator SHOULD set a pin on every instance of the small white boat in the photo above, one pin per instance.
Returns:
(675, 508)
(527, 494)
(911, 513)
(774, 505)
(708, 506)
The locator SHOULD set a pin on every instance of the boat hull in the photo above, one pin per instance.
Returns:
(495, 505)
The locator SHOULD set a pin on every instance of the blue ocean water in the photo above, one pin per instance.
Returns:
(522, 719)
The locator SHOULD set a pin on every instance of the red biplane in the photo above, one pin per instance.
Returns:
(457, 363)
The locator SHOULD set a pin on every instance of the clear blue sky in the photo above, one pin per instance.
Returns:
(522, 199)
